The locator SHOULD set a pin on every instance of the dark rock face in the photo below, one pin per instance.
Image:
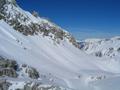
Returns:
(118, 49)
(2, 2)
(32, 72)
(8, 72)
(98, 54)
(7, 63)
(8, 67)
(74, 42)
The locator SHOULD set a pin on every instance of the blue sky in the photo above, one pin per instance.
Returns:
(83, 18)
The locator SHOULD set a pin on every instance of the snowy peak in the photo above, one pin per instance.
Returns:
(31, 24)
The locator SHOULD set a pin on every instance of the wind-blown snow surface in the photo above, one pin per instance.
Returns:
(73, 67)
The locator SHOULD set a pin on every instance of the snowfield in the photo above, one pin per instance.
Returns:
(36, 42)
(73, 67)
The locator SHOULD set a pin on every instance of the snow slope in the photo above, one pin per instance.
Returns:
(108, 84)
(62, 60)
(22, 39)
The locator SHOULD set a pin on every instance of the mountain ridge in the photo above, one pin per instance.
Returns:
(28, 24)
(108, 48)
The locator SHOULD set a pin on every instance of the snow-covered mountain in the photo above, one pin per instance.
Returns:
(36, 54)
(29, 24)
(109, 48)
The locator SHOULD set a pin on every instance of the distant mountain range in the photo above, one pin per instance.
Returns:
(109, 48)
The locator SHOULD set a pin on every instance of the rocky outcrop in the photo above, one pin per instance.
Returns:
(28, 71)
(32, 72)
(2, 2)
(8, 67)
(39, 86)
(34, 13)
(8, 63)
(118, 49)
(4, 85)
(29, 86)
(98, 54)
(8, 72)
